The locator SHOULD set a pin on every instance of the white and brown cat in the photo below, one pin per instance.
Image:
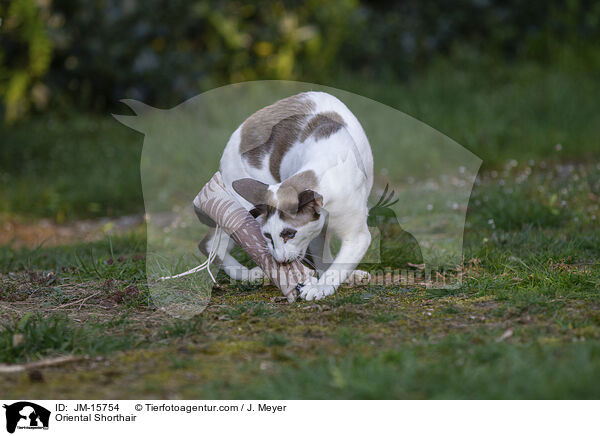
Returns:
(303, 167)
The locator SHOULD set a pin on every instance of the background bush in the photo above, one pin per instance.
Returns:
(91, 53)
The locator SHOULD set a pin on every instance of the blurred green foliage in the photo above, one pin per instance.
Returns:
(163, 52)
(77, 165)
(25, 56)
(404, 35)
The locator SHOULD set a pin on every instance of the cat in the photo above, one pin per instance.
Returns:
(303, 167)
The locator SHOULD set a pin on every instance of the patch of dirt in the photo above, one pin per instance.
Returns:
(44, 292)
(252, 325)
(50, 233)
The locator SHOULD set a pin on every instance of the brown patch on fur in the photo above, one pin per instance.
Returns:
(301, 182)
(295, 207)
(307, 211)
(274, 129)
(287, 199)
(285, 133)
(296, 201)
(300, 217)
(322, 126)
(290, 189)
(270, 199)
(307, 197)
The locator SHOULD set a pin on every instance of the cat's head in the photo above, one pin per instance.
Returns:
(290, 213)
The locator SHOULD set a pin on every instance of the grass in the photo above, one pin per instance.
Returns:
(525, 323)
(35, 336)
(119, 257)
(491, 370)
(499, 111)
(70, 167)
(77, 166)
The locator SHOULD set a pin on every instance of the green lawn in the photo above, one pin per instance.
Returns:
(525, 323)
(68, 166)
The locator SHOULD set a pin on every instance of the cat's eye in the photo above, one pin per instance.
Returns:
(269, 237)
(288, 234)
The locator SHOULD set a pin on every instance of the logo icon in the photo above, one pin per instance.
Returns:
(26, 415)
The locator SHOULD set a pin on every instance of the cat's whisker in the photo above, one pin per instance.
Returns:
(314, 256)
(302, 257)
(309, 263)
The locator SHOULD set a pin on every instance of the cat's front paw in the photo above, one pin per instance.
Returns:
(316, 292)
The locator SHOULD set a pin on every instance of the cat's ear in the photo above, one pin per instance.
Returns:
(251, 190)
(310, 200)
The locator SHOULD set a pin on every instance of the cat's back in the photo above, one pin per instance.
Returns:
(262, 141)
